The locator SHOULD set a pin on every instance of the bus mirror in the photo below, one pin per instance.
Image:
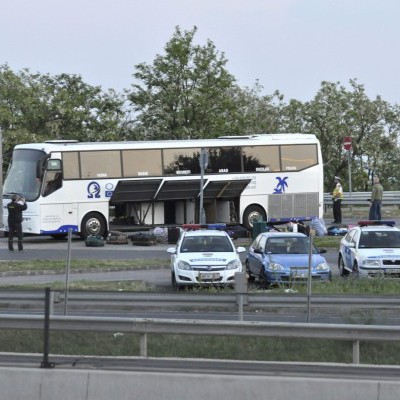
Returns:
(39, 169)
(53, 165)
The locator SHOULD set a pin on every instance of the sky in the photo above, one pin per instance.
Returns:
(287, 45)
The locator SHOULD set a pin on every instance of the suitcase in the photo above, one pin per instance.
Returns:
(117, 238)
(143, 239)
(94, 241)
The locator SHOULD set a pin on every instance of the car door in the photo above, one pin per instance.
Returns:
(349, 253)
(251, 256)
(259, 256)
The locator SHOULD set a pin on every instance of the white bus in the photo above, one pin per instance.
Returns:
(72, 185)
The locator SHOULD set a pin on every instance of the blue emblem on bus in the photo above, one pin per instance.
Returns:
(109, 189)
(93, 190)
(281, 186)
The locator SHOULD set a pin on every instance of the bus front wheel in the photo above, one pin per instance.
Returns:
(93, 224)
(251, 214)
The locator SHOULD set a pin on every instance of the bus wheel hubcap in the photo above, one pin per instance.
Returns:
(93, 226)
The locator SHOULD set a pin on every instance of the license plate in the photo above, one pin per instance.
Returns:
(393, 271)
(299, 274)
(209, 276)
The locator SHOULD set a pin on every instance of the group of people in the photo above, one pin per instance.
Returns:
(375, 209)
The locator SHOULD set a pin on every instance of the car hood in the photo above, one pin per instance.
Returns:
(208, 258)
(380, 253)
(296, 260)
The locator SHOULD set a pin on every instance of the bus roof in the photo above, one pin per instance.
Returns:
(70, 145)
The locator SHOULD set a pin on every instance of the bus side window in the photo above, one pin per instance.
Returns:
(52, 184)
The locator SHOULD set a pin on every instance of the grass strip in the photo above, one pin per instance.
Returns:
(206, 347)
(36, 266)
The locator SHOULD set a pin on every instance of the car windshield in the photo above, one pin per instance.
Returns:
(288, 245)
(198, 244)
(379, 239)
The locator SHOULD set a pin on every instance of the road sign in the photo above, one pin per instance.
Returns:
(203, 160)
(347, 143)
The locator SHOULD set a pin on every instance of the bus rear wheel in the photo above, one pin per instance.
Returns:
(93, 224)
(251, 214)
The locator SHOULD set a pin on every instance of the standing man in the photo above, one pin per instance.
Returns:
(376, 200)
(15, 208)
(337, 197)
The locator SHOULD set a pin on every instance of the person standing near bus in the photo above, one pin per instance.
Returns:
(376, 200)
(15, 208)
(337, 197)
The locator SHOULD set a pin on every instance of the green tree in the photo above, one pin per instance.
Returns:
(374, 126)
(256, 113)
(185, 93)
(36, 107)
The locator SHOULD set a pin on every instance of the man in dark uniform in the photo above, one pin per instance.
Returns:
(15, 208)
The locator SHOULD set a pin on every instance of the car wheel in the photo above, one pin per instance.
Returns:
(263, 280)
(250, 276)
(173, 280)
(342, 270)
(174, 284)
(356, 271)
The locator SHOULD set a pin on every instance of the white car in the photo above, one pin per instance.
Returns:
(204, 257)
(371, 249)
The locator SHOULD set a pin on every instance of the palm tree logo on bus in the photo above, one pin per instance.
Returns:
(281, 185)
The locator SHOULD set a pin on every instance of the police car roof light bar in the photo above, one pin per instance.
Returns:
(204, 226)
(376, 222)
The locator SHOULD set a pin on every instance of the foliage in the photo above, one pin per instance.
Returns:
(36, 107)
(256, 113)
(335, 113)
(188, 92)
(185, 93)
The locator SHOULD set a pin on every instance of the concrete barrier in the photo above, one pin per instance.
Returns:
(60, 384)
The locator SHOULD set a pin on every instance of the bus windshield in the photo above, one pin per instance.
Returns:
(21, 177)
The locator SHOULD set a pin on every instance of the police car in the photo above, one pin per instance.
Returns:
(371, 249)
(204, 257)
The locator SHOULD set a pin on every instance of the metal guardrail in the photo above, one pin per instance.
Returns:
(144, 326)
(120, 300)
(362, 198)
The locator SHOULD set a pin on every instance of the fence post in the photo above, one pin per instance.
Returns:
(143, 345)
(241, 292)
(46, 345)
(356, 352)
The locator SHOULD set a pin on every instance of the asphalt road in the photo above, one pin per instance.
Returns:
(44, 248)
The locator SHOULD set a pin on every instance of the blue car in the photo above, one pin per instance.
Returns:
(279, 257)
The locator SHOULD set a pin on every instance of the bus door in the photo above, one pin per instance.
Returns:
(58, 218)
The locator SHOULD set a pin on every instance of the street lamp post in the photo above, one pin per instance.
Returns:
(348, 146)
(1, 180)
(203, 165)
